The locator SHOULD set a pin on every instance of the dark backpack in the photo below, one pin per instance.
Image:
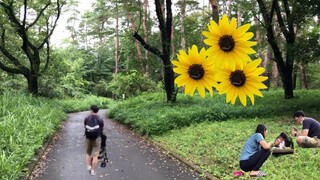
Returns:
(92, 128)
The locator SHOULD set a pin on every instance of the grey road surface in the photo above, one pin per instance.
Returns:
(130, 156)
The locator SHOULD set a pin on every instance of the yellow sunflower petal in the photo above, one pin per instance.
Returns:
(201, 90)
(242, 97)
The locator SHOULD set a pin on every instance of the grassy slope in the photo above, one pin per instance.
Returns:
(211, 134)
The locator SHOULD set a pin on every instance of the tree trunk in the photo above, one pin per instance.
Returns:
(117, 56)
(165, 26)
(239, 15)
(173, 50)
(285, 67)
(303, 76)
(139, 53)
(275, 72)
(32, 79)
(166, 46)
(294, 79)
(145, 30)
(182, 31)
(215, 10)
(228, 9)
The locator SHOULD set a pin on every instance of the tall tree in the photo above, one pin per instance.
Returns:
(129, 8)
(165, 26)
(117, 53)
(72, 21)
(291, 16)
(182, 5)
(27, 24)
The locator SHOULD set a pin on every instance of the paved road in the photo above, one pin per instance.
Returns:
(130, 156)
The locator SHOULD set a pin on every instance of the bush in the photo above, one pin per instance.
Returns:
(131, 84)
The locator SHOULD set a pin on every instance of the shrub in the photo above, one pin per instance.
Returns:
(131, 84)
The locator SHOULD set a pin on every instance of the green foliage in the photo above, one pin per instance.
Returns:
(313, 75)
(150, 114)
(131, 84)
(65, 75)
(26, 122)
(306, 50)
(12, 82)
(84, 103)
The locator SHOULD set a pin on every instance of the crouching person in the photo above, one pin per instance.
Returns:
(256, 151)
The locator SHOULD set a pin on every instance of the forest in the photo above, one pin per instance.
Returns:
(114, 50)
(123, 55)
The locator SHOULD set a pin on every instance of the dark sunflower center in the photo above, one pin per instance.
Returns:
(196, 71)
(237, 78)
(226, 43)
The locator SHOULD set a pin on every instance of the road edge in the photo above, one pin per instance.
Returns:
(206, 174)
(41, 152)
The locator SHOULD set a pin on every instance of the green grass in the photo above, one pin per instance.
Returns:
(210, 133)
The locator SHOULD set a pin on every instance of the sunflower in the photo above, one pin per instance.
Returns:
(228, 43)
(196, 71)
(242, 81)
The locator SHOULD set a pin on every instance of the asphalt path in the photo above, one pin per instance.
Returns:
(131, 157)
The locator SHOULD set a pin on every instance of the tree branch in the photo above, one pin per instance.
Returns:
(280, 20)
(271, 12)
(10, 70)
(288, 14)
(48, 54)
(159, 14)
(53, 27)
(166, 35)
(24, 14)
(9, 11)
(20, 68)
(168, 19)
(154, 50)
(38, 16)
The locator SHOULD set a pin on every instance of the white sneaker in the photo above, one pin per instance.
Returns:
(93, 172)
(89, 169)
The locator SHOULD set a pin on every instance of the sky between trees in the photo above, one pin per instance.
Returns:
(60, 33)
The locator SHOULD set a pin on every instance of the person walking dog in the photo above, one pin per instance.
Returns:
(93, 129)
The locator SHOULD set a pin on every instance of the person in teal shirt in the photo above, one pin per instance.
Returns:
(256, 151)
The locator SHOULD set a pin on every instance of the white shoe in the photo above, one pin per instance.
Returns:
(93, 172)
(89, 169)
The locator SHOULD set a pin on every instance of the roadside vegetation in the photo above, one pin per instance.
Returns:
(210, 133)
(27, 122)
